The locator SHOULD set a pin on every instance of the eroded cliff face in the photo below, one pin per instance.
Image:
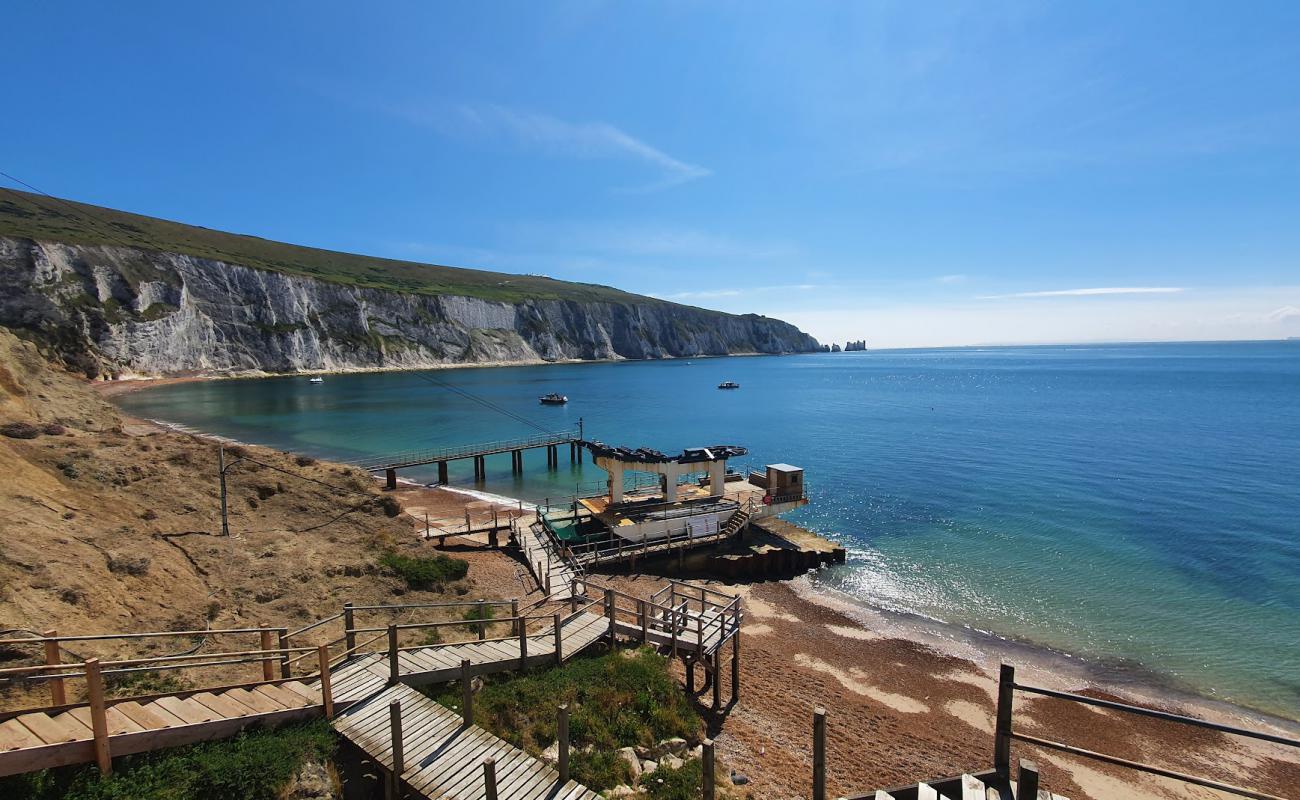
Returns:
(111, 311)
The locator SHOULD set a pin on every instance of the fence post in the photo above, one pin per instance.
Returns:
(708, 778)
(268, 663)
(482, 620)
(819, 753)
(735, 665)
(1002, 729)
(490, 779)
(514, 617)
(717, 679)
(394, 671)
(1027, 783)
(282, 637)
(559, 641)
(644, 617)
(562, 734)
(58, 696)
(573, 595)
(609, 610)
(326, 688)
(523, 645)
(394, 786)
(466, 693)
(98, 720)
(349, 635)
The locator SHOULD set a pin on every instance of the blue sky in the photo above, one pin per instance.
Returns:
(911, 174)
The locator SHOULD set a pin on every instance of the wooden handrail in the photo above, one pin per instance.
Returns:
(147, 635)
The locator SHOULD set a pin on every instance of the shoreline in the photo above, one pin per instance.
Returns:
(1045, 666)
(132, 382)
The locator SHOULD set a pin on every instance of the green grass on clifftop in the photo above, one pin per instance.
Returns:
(32, 216)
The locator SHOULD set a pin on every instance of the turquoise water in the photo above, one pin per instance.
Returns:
(1137, 506)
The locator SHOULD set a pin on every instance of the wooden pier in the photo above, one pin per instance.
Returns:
(442, 456)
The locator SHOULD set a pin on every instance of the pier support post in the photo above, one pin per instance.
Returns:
(819, 754)
(393, 789)
(1002, 725)
(442, 473)
(57, 695)
(390, 479)
(689, 663)
(559, 641)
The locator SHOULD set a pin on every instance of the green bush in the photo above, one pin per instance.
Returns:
(256, 765)
(426, 573)
(622, 699)
(683, 783)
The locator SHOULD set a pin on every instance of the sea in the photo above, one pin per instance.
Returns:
(1135, 507)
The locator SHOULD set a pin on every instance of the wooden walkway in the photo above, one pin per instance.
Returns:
(365, 675)
(553, 571)
(59, 737)
(985, 786)
(443, 757)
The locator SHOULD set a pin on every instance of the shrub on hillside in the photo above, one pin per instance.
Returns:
(20, 430)
(53, 429)
(255, 765)
(429, 574)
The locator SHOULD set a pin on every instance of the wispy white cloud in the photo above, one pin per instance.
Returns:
(553, 136)
(1283, 314)
(1106, 290)
(951, 279)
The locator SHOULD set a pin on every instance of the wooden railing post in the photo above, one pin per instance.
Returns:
(268, 663)
(1027, 782)
(349, 628)
(466, 693)
(490, 779)
(573, 595)
(326, 687)
(717, 679)
(609, 610)
(562, 735)
(482, 620)
(282, 637)
(394, 785)
(559, 641)
(98, 717)
(523, 645)
(708, 778)
(644, 615)
(735, 666)
(394, 670)
(58, 696)
(1002, 725)
(819, 754)
(514, 617)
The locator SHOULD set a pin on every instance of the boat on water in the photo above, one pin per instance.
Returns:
(316, 379)
(728, 385)
(553, 399)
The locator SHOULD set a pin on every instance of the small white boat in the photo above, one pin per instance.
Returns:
(317, 379)
(553, 399)
(728, 385)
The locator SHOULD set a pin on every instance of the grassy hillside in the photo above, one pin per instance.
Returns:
(36, 217)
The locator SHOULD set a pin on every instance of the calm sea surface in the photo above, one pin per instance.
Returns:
(1137, 506)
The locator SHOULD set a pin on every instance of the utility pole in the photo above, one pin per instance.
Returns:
(221, 470)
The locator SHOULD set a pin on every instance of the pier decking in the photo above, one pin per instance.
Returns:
(390, 463)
